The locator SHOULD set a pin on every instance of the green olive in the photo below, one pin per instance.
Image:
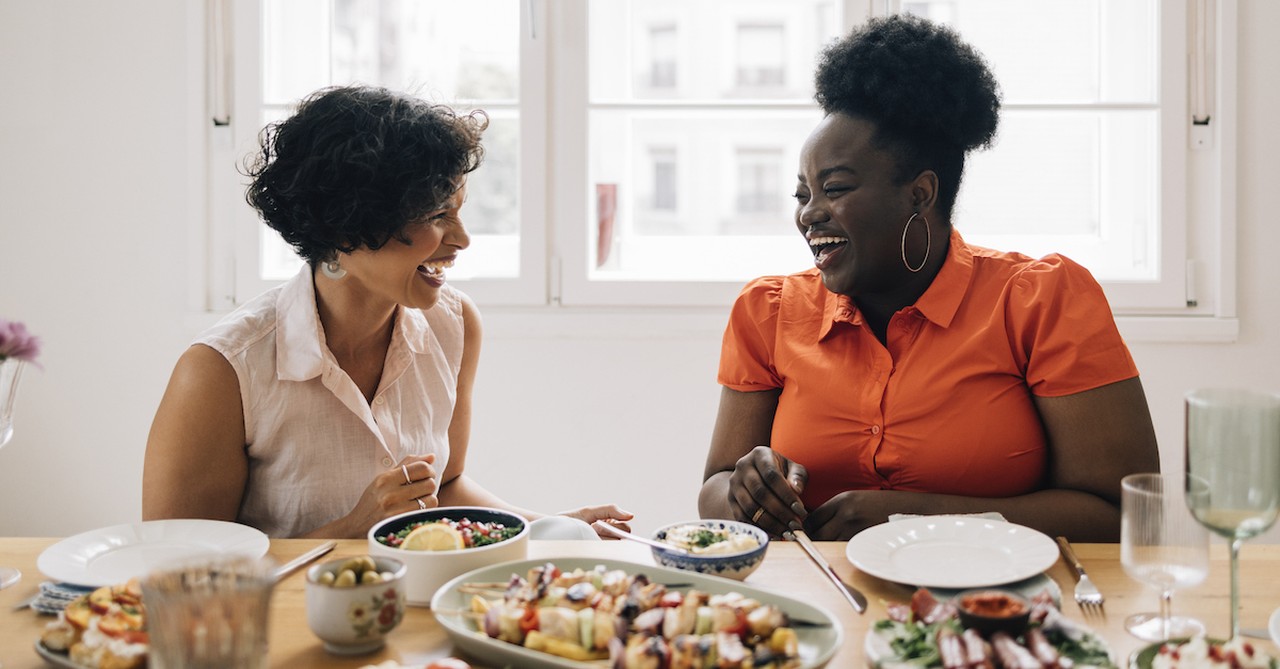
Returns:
(370, 577)
(346, 579)
(326, 578)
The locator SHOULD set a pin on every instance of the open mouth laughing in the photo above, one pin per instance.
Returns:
(433, 270)
(825, 248)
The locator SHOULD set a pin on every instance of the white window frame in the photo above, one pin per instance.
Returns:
(1195, 301)
(235, 230)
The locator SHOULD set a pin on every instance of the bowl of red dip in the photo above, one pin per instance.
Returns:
(989, 611)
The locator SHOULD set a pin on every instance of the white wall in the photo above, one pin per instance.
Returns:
(96, 198)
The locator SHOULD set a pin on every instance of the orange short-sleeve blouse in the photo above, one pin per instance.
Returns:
(945, 404)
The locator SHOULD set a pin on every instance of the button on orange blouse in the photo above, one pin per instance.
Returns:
(945, 404)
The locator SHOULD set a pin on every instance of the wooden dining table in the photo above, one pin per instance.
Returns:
(786, 570)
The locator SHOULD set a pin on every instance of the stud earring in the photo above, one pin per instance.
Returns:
(333, 269)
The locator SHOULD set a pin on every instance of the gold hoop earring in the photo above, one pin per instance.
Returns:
(928, 244)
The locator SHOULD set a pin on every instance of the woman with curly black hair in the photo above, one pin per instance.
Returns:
(343, 396)
(908, 371)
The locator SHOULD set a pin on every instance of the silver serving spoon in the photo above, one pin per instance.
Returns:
(623, 534)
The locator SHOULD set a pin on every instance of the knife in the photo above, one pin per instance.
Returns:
(851, 594)
(307, 557)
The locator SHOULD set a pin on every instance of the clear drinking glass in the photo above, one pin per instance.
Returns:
(209, 613)
(1233, 451)
(1162, 545)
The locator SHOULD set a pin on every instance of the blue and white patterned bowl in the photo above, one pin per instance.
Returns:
(736, 566)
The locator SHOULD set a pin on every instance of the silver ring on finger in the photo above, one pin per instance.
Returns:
(407, 480)
(755, 517)
(421, 504)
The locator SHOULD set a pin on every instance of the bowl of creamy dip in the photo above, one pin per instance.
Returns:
(724, 548)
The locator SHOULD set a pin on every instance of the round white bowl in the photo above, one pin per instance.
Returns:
(428, 570)
(353, 620)
(736, 566)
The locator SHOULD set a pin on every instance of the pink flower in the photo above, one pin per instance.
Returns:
(16, 342)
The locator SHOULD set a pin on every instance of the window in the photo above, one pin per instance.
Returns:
(662, 56)
(761, 58)
(642, 152)
(663, 161)
(467, 55)
(760, 185)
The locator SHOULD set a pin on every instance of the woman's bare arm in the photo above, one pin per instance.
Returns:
(743, 475)
(195, 465)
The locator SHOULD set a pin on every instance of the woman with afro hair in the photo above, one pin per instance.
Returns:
(909, 371)
(343, 396)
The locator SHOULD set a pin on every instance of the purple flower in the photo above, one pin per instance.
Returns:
(16, 342)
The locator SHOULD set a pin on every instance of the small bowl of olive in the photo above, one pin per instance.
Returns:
(353, 602)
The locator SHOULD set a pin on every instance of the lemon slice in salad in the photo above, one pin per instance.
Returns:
(433, 537)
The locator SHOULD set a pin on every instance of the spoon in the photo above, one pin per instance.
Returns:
(623, 534)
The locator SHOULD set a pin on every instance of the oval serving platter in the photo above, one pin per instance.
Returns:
(817, 643)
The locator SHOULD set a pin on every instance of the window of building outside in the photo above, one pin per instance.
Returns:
(694, 111)
(761, 56)
(760, 181)
(662, 63)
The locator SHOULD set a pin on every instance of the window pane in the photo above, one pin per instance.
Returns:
(689, 183)
(707, 49)
(1091, 194)
(697, 112)
(466, 55)
(1059, 50)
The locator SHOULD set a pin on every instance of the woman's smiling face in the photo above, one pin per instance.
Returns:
(412, 274)
(850, 208)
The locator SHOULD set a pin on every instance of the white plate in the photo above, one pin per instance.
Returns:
(56, 658)
(1274, 626)
(118, 553)
(951, 552)
(817, 644)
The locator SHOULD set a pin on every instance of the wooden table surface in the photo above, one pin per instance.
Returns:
(785, 570)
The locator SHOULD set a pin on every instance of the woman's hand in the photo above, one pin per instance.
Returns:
(397, 490)
(608, 513)
(764, 490)
(847, 514)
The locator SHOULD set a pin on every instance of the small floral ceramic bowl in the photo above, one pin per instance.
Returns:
(725, 548)
(353, 602)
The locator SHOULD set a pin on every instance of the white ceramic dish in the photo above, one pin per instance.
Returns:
(561, 528)
(428, 570)
(115, 554)
(353, 620)
(817, 644)
(951, 552)
(1273, 626)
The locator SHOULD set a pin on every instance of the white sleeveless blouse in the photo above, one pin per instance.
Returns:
(313, 442)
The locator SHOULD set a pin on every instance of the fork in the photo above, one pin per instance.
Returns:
(1087, 595)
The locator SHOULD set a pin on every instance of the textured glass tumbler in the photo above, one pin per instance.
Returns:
(207, 614)
(1163, 546)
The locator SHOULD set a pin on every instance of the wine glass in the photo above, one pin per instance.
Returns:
(1162, 545)
(1233, 451)
(10, 374)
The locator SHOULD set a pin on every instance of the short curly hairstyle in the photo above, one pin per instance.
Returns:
(931, 96)
(355, 164)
